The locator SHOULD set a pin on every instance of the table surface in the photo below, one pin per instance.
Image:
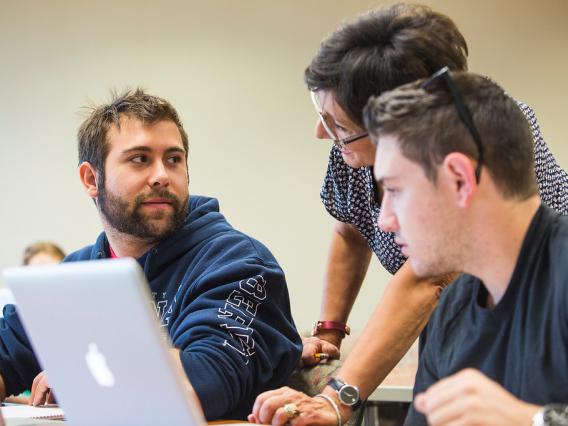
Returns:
(37, 422)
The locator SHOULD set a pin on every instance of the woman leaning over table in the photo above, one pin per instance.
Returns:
(376, 52)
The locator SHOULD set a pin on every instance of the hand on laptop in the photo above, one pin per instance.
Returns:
(41, 392)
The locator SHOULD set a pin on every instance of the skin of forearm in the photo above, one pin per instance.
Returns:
(348, 261)
(402, 313)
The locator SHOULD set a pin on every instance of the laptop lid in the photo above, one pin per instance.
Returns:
(95, 331)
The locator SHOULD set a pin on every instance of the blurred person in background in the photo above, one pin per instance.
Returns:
(42, 253)
(36, 254)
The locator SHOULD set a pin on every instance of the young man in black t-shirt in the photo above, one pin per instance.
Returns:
(455, 163)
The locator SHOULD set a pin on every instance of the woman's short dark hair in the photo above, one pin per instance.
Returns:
(383, 49)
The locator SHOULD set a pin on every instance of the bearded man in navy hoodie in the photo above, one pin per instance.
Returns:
(221, 294)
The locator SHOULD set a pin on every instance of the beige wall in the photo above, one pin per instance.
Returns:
(234, 71)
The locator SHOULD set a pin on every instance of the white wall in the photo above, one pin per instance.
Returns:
(234, 71)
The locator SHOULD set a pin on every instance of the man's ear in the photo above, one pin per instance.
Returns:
(88, 176)
(459, 170)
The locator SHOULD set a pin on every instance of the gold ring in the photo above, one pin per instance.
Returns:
(291, 410)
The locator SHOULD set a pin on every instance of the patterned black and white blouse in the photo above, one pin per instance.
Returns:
(349, 195)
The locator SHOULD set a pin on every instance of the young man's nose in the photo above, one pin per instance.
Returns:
(160, 175)
(387, 220)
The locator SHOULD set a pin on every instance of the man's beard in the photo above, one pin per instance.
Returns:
(129, 219)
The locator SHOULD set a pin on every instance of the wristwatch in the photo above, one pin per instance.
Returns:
(330, 325)
(347, 394)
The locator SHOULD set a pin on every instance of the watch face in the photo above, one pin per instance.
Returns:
(349, 395)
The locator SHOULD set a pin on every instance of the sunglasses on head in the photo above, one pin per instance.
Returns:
(433, 83)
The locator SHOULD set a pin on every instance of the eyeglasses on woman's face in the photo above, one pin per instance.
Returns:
(329, 124)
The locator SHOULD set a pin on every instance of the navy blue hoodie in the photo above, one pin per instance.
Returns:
(224, 301)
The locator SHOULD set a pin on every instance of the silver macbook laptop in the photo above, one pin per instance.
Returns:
(96, 333)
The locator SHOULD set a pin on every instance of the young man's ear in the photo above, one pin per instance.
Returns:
(88, 176)
(459, 170)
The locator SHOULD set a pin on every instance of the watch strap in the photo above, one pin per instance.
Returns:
(356, 406)
(336, 384)
(331, 325)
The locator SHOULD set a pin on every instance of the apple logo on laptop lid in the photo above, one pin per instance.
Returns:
(98, 367)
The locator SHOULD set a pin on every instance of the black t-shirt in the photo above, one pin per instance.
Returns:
(522, 343)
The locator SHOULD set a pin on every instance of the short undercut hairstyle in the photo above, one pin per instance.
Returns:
(383, 49)
(428, 128)
(92, 135)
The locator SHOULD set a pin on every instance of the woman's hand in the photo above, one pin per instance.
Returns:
(314, 345)
(269, 409)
